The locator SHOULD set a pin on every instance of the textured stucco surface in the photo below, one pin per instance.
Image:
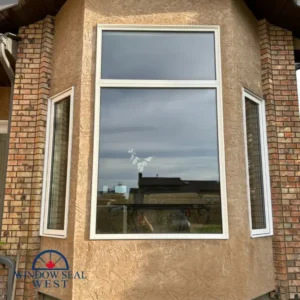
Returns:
(4, 103)
(66, 72)
(239, 268)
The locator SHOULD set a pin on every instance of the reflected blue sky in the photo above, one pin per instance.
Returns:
(158, 55)
(178, 127)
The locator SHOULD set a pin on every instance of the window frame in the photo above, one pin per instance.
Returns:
(268, 231)
(44, 231)
(115, 83)
(297, 66)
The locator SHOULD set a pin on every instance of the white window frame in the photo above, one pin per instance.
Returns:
(217, 84)
(268, 231)
(298, 83)
(44, 231)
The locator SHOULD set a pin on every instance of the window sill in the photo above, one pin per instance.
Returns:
(159, 237)
(261, 235)
(56, 236)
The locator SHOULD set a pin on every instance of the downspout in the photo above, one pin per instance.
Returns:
(5, 43)
(8, 44)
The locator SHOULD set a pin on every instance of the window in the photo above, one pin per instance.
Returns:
(57, 165)
(259, 196)
(46, 297)
(265, 297)
(297, 66)
(298, 83)
(158, 168)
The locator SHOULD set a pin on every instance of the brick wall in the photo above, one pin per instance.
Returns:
(280, 93)
(21, 217)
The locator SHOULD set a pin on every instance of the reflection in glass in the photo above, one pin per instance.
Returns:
(59, 160)
(158, 161)
(255, 165)
(158, 55)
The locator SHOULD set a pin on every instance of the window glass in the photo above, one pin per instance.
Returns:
(298, 83)
(57, 193)
(46, 297)
(158, 166)
(158, 55)
(255, 168)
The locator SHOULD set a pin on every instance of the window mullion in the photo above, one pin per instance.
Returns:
(159, 83)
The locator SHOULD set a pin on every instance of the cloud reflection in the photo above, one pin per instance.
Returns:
(176, 126)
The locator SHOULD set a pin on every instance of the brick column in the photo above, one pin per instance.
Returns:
(280, 93)
(22, 202)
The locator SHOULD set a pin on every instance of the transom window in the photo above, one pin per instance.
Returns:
(158, 168)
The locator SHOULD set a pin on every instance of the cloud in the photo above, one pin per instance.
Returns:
(176, 126)
(156, 55)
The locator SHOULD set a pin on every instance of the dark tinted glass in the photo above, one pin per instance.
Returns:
(59, 160)
(158, 55)
(255, 165)
(158, 162)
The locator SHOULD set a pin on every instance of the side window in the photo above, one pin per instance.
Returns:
(57, 165)
(257, 165)
(298, 82)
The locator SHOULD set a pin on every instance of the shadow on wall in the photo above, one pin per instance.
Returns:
(117, 8)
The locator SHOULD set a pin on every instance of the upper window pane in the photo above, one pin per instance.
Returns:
(158, 55)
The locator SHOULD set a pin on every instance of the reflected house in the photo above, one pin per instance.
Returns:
(170, 204)
(112, 196)
(174, 190)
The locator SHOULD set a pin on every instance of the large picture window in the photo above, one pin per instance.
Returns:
(258, 166)
(158, 168)
(57, 165)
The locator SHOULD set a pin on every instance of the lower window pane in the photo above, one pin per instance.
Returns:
(59, 160)
(255, 165)
(158, 162)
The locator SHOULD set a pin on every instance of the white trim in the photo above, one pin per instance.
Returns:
(149, 27)
(268, 231)
(298, 87)
(44, 231)
(160, 83)
(3, 126)
(217, 84)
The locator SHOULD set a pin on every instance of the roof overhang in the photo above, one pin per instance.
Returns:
(282, 13)
(20, 13)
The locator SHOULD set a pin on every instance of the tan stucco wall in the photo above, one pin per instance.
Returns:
(66, 72)
(4, 103)
(238, 268)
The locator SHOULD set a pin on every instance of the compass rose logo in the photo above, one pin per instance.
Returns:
(50, 260)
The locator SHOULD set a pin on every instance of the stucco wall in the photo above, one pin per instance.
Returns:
(4, 102)
(239, 268)
(66, 72)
